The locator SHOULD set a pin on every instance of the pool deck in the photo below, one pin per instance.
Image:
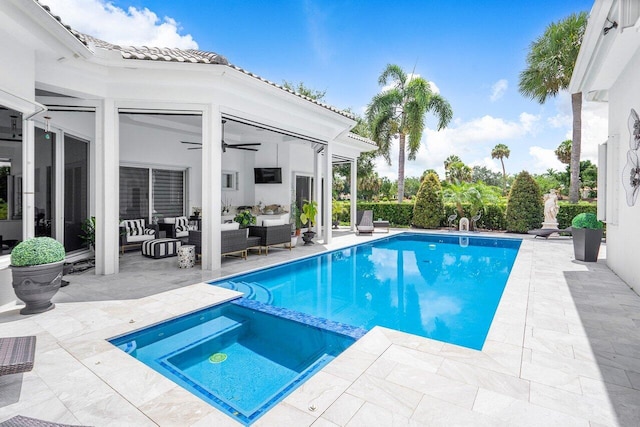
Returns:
(563, 349)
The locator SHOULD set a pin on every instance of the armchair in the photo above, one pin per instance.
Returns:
(175, 227)
(231, 241)
(271, 235)
(135, 231)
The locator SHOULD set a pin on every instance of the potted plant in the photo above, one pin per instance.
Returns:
(337, 209)
(36, 266)
(89, 229)
(587, 233)
(245, 219)
(308, 215)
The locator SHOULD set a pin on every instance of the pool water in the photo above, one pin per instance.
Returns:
(237, 358)
(443, 287)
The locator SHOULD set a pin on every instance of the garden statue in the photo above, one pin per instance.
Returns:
(551, 207)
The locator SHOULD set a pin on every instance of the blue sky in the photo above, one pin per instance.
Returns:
(472, 51)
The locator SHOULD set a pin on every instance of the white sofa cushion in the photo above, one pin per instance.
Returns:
(140, 238)
(229, 226)
(272, 222)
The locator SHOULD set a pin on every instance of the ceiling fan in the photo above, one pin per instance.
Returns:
(242, 146)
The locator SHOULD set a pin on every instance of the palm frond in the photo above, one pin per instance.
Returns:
(394, 73)
(441, 108)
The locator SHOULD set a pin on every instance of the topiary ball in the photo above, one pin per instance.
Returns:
(37, 251)
(586, 220)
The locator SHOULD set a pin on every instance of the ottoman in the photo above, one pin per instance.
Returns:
(160, 248)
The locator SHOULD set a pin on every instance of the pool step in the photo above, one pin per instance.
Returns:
(251, 290)
(211, 328)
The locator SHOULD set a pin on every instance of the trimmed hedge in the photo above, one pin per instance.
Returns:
(493, 215)
(568, 211)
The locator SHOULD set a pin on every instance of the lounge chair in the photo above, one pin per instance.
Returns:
(546, 232)
(16, 354)
(450, 220)
(365, 223)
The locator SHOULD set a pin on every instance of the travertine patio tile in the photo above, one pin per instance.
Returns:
(176, 407)
(317, 393)
(381, 368)
(414, 358)
(548, 346)
(516, 412)
(451, 390)
(112, 411)
(551, 377)
(572, 404)
(434, 412)
(323, 422)
(480, 377)
(343, 409)
(386, 394)
(285, 415)
(374, 342)
(351, 364)
(373, 415)
(634, 379)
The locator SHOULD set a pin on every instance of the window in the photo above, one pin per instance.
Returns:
(142, 188)
(229, 180)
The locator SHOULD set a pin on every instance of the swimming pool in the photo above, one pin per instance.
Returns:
(438, 286)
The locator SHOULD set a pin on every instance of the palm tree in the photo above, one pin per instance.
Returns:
(550, 63)
(451, 160)
(563, 152)
(399, 111)
(501, 151)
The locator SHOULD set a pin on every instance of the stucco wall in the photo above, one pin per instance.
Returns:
(623, 236)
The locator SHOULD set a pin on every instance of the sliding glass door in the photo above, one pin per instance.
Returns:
(76, 191)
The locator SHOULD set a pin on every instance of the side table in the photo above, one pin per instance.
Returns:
(187, 256)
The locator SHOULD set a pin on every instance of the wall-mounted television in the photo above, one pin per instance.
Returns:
(267, 175)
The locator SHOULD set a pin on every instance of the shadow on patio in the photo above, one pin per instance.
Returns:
(609, 313)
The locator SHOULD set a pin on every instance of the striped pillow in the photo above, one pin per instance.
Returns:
(182, 224)
(134, 227)
(149, 231)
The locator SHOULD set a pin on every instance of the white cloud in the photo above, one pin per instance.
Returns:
(543, 159)
(467, 140)
(138, 27)
(498, 89)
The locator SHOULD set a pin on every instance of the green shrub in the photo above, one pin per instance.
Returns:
(569, 210)
(428, 209)
(37, 251)
(525, 208)
(586, 220)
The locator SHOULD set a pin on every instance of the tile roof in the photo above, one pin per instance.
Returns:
(362, 139)
(177, 55)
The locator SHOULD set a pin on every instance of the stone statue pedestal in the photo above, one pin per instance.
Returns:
(551, 226)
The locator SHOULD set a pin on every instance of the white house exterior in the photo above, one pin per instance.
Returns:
(608, 70)
(75, 111)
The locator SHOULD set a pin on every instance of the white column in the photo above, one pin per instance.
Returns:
(211, 187)
(317, 182)
(28, 179)
(107, 188)
(328, 192)
(354, 193)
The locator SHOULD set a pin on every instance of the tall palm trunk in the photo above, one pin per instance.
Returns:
(504, 178)
(576, 108)
(401, 168)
